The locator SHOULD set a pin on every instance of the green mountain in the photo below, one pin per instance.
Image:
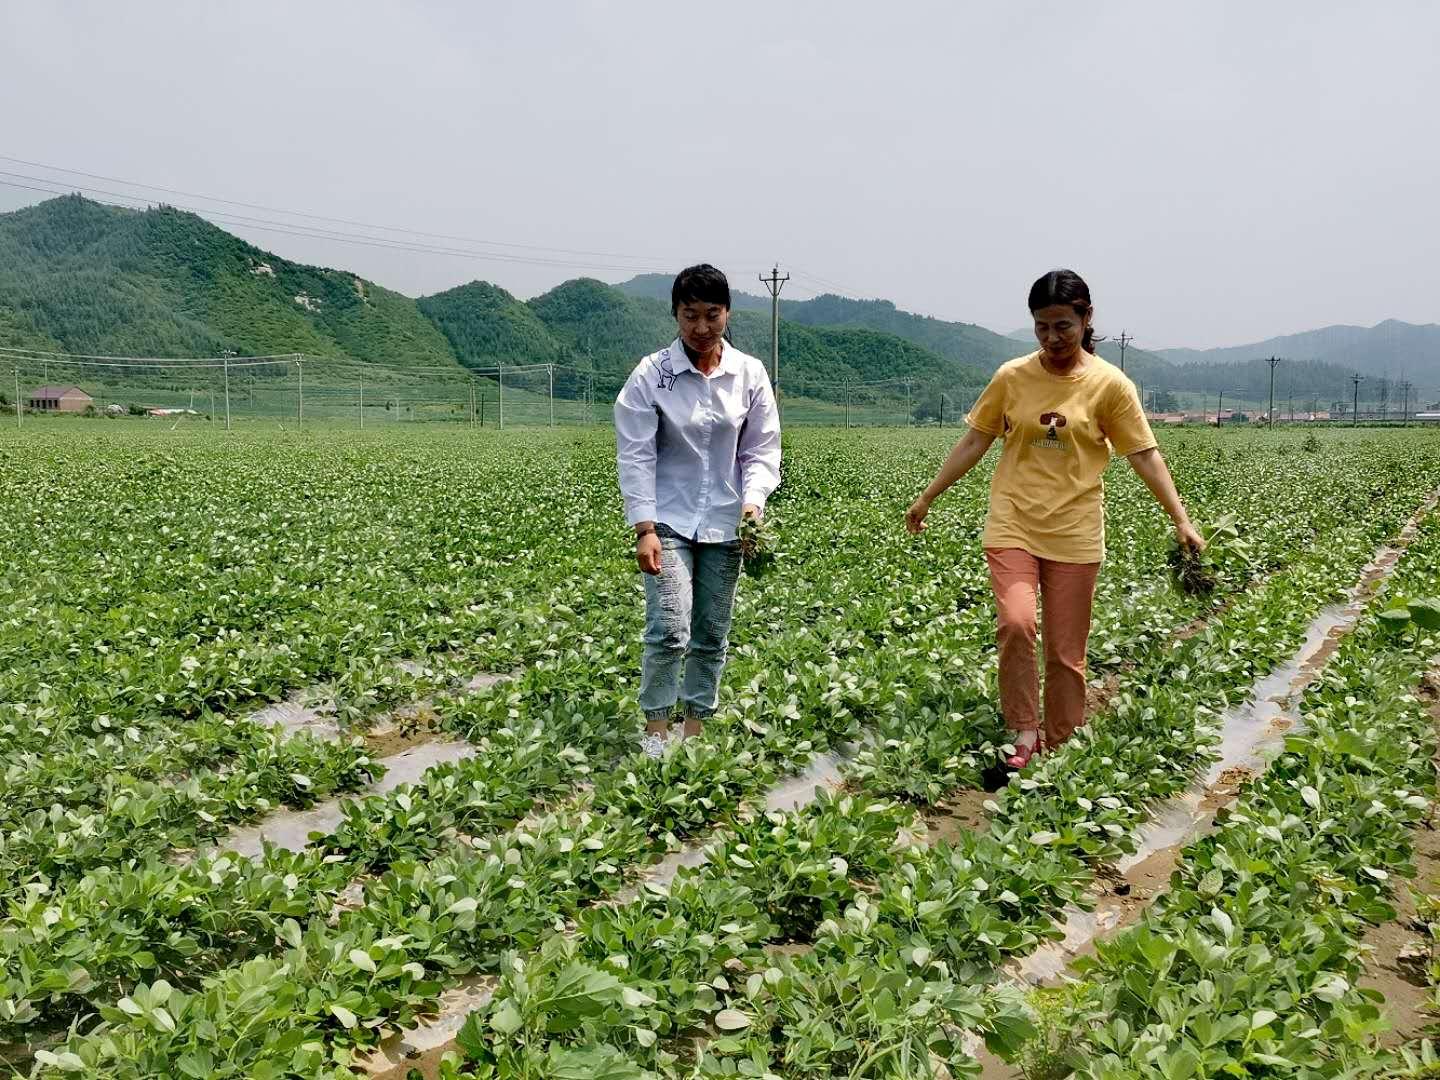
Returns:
(487, 327)
(963, 343)
(1391, 349)
(81, 277)
(600, 329)
(78, 276)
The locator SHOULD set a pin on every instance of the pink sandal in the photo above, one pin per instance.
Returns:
(1022, 755)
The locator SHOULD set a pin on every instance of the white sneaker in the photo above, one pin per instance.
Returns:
(652, 744)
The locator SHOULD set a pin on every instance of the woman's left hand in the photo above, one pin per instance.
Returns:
(750, 510)
(1189, 536)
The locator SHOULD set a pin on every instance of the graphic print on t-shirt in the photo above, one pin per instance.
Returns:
(667, 374)
(1051, 441)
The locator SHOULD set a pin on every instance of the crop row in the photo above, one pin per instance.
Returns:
(1250, 963)
(889, 976)
(410, 915)
(158, 815)
(104, 932)
(150, 666)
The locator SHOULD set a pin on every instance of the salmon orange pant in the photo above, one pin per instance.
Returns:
(1066, 592)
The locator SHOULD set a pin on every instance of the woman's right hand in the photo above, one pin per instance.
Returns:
(915, 516)
(647, 553)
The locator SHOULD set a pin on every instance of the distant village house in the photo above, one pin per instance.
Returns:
(67, 399)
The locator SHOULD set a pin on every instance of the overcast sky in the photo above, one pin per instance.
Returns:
(1218, 172)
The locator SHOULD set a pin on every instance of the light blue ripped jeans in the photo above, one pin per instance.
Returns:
(687, 623)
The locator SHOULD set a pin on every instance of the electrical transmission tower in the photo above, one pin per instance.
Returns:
(775, 283)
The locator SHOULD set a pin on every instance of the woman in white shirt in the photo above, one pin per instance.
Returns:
(698, 446)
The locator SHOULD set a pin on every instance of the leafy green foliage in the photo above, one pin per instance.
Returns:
(88, 278)
(1250, 962)
(757, 546)
(339, 551)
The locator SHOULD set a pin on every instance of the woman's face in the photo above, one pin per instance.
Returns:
(1059, 330)
(702, 324)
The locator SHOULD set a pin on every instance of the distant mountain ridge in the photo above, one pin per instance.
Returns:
(82, 277)
(1391, 349)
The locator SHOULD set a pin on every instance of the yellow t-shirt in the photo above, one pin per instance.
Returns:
(1047, 496)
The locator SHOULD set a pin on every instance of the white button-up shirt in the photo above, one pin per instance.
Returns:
(694, 449)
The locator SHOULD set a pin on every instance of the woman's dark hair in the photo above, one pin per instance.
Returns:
(1064, 287)
(702, 284)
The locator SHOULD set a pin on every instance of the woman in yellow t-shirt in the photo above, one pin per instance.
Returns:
(1061, 411)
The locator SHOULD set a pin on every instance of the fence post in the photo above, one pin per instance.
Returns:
(17, 395)
(212, 408)
(472, 404)
(362, 402)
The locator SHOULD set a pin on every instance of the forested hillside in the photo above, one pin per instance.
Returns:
(78, 276)
(82, 277)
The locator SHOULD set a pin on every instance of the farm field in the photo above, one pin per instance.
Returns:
(163, 590)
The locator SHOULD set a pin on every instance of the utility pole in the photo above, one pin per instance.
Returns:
(17, 396)
(1219, 407)
(227, 354)
(362, 402)
(1271, 414)
(909, 409)
(300, 370)
(1125, 339)
(1356, 380)
(847, 406)
(1405, 410)
(472, 404)
(500, 401)
(775, 283)
(550, 371)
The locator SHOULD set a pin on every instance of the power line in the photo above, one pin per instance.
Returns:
(630, 263)
(320, 217)
(828, 283)
(312, 232)
(276, 357)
